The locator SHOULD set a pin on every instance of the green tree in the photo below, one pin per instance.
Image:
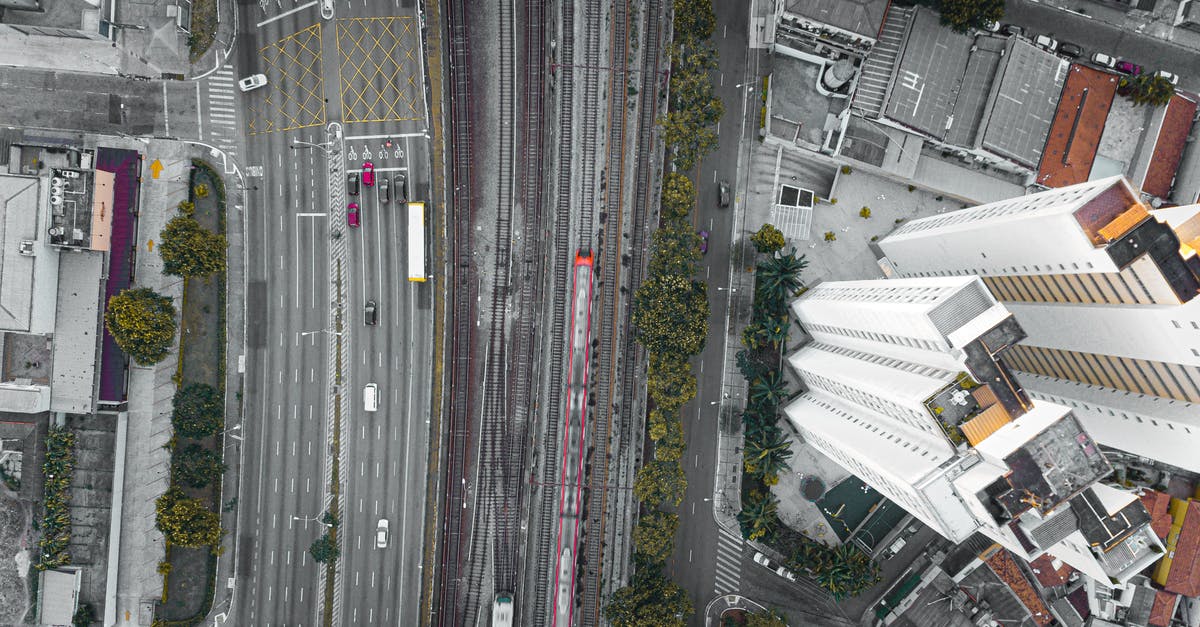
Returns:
(770, 618)
(687, 135)
(769, 389)
(670, 381)
(694, 20)
(1146, 89)
(865, 212)
(671, 446)
(758, 517)
(768, 239)
(675, 249)
(963, 15)
(671, 315)
(199, 411)
(186, 521)
(654, 536)
(678, 196)
(84, 615)
(660, 482)
(142, 322)
(324, 549)
(189, 250)
(830, 236)
(196, 466)
(650, 599)
(848, 572)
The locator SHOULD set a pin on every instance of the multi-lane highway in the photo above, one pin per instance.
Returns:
(363, 72)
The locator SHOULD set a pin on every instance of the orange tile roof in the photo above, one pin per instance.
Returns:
(1163, 609)
(1160, 519)
(1046, 574)
(986, 423)
(1124, 223)
(1077, 126)
(1184, 576)
(1005, 567)
(1168, 149)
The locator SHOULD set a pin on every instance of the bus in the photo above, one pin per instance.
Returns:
(416, 242)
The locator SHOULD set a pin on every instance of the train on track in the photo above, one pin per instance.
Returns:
(571, 477)
(502, 610)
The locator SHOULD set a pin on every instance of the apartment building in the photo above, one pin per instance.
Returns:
(909, 388)
(1104, 287)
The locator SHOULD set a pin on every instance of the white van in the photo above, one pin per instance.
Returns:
(371, 397)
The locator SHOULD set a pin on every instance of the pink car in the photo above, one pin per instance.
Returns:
(352, 214)
(368, 174)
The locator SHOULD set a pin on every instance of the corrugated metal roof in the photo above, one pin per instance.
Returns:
(988, 422)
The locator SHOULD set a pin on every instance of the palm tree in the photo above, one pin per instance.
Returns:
(779, 276)
(759, 514)
(775, 330)
(769, 389)
(760, 425)
(766, 455)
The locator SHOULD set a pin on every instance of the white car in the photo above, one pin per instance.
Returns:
(1171, 78)
(1103, 60)
(1046, 43)
(381, 534)
(761, 559)
(786, 574)
(252, 82)
(991, 26)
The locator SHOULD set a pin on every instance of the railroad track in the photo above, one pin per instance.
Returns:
(610, 248)
(547, 490)
(458, 423)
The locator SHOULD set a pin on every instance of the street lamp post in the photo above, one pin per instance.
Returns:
(307, 333)
(297, 144)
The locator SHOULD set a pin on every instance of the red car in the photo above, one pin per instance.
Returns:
(1128, 67)
(368, 174)
(352, 214)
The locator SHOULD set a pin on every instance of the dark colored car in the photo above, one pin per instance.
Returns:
(400, 183)
(352, 184)
(371, 313)
(1011, 30)
(368, 174)
(352, 214)
(723, 194)
(1068, 49)
(384, 196)
(703, 242)
(1128, 67)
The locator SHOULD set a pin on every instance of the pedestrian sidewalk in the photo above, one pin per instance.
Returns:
(150, 394)
(152, 45)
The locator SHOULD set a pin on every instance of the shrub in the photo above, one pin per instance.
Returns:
(199, 411)
(846, 169)
(201, 190)
(864, 213)
(830, 236)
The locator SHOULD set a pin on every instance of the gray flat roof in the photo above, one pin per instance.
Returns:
(976, 85)
(929, 77)
(18, 221)
(1022, 105)
(76, 331)
(864, 17)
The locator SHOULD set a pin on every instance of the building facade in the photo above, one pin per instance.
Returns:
(1104, 287)
(908, 387)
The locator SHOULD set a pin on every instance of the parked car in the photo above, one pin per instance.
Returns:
(384, 196)
(400, 183)
(371, 313)
(381, 534)
(786, 574)
(1103, 60)
(352, 184)
(368, 174)
(1011, 30)
(991, 26)
(1171, 78)
(252, 82)
(1068, 49)
(1045, 43)
(762, 560)
(1128, 67)
(703, 241)
(352, 214)
(723, 194)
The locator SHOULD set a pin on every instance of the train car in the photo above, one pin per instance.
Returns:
(502, 610)
(416, 242)
(573, 446)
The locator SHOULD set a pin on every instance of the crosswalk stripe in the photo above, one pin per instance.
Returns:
(728, 562)
(729, 535)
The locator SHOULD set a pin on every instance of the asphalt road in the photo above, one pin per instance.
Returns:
(366, 74)
(1096, 36)
(694, 563)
